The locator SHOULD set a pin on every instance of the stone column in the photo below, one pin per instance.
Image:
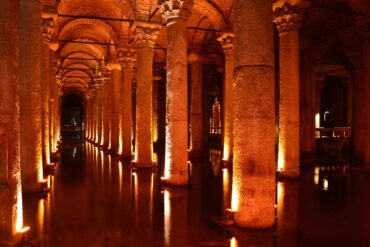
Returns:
(46, 28)
(307, 99)
(145, 36)
(98, 117)
(106, 108)
(127, 59)
(11, 218)
(176, 153)
(226, 41)
(53, 98)
(196, 106)
(253, 186)
(115, 69)
(30, 98)
(288, 19)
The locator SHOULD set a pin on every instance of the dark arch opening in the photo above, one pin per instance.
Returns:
(72, 116)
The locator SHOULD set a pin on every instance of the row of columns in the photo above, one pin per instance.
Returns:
(28, 107)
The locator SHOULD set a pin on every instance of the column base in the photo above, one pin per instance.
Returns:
(50, 169)
(141, 165)
(287, 174)
(175, 180)
(40, 188)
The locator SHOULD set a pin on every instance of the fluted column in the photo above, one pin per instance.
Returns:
(11, 218)
(115, 69)
(288, 18)
(196, 106)
(176, 153)
(145, 36)
(227, 40)
(253, 186)
(127, 59)
(30, 98)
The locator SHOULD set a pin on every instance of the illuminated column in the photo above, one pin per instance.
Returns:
(47, 25)
(98, 117)
(307, 99)
(288, 20)
(155, 108)
(127, 59)
(115, 69)
(176, 154)
(253, 187)
(145, 36)
(11, 218)
(53, 94)
(30, 99)
(196, 120)
(88, 115)
(226, 41)
(107, 105)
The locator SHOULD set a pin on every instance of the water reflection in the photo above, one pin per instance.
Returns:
(97, 200)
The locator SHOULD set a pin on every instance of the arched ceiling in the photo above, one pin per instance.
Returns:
(90, 29)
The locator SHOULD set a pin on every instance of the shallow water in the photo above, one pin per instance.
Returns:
(96, 200)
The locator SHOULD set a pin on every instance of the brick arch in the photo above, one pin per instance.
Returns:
(94, 29)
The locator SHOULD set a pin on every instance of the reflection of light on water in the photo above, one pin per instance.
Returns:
(317, 175)
(280, 198)
(74, 152)
(233, 242)
(40, 216)
(325, 184)
(18, 209)
(226, 182)
(120, 174)
(167, 217)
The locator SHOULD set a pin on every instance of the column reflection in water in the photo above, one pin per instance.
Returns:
(175, 211)
(287, 212)
(143, 194)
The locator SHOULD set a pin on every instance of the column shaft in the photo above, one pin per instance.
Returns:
(30, 101)
(253, 186)
(144, 105)
(45, 104)
(196, 143)
(288, 157)
(176, 156)
(115, 95)
(126, 113)
(98, 117)
(11, 218)
(227, 40)
(106, 114)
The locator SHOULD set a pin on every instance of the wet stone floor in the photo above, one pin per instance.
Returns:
(97, 200)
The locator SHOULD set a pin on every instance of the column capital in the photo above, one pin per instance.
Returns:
(113, 65)
(47, 29)
(175, 9)
(145, 33)
(288, 17)
(127, 57)
(227, 42)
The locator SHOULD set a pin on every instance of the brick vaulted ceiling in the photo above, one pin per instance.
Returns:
(85, 41)
(95, 39)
